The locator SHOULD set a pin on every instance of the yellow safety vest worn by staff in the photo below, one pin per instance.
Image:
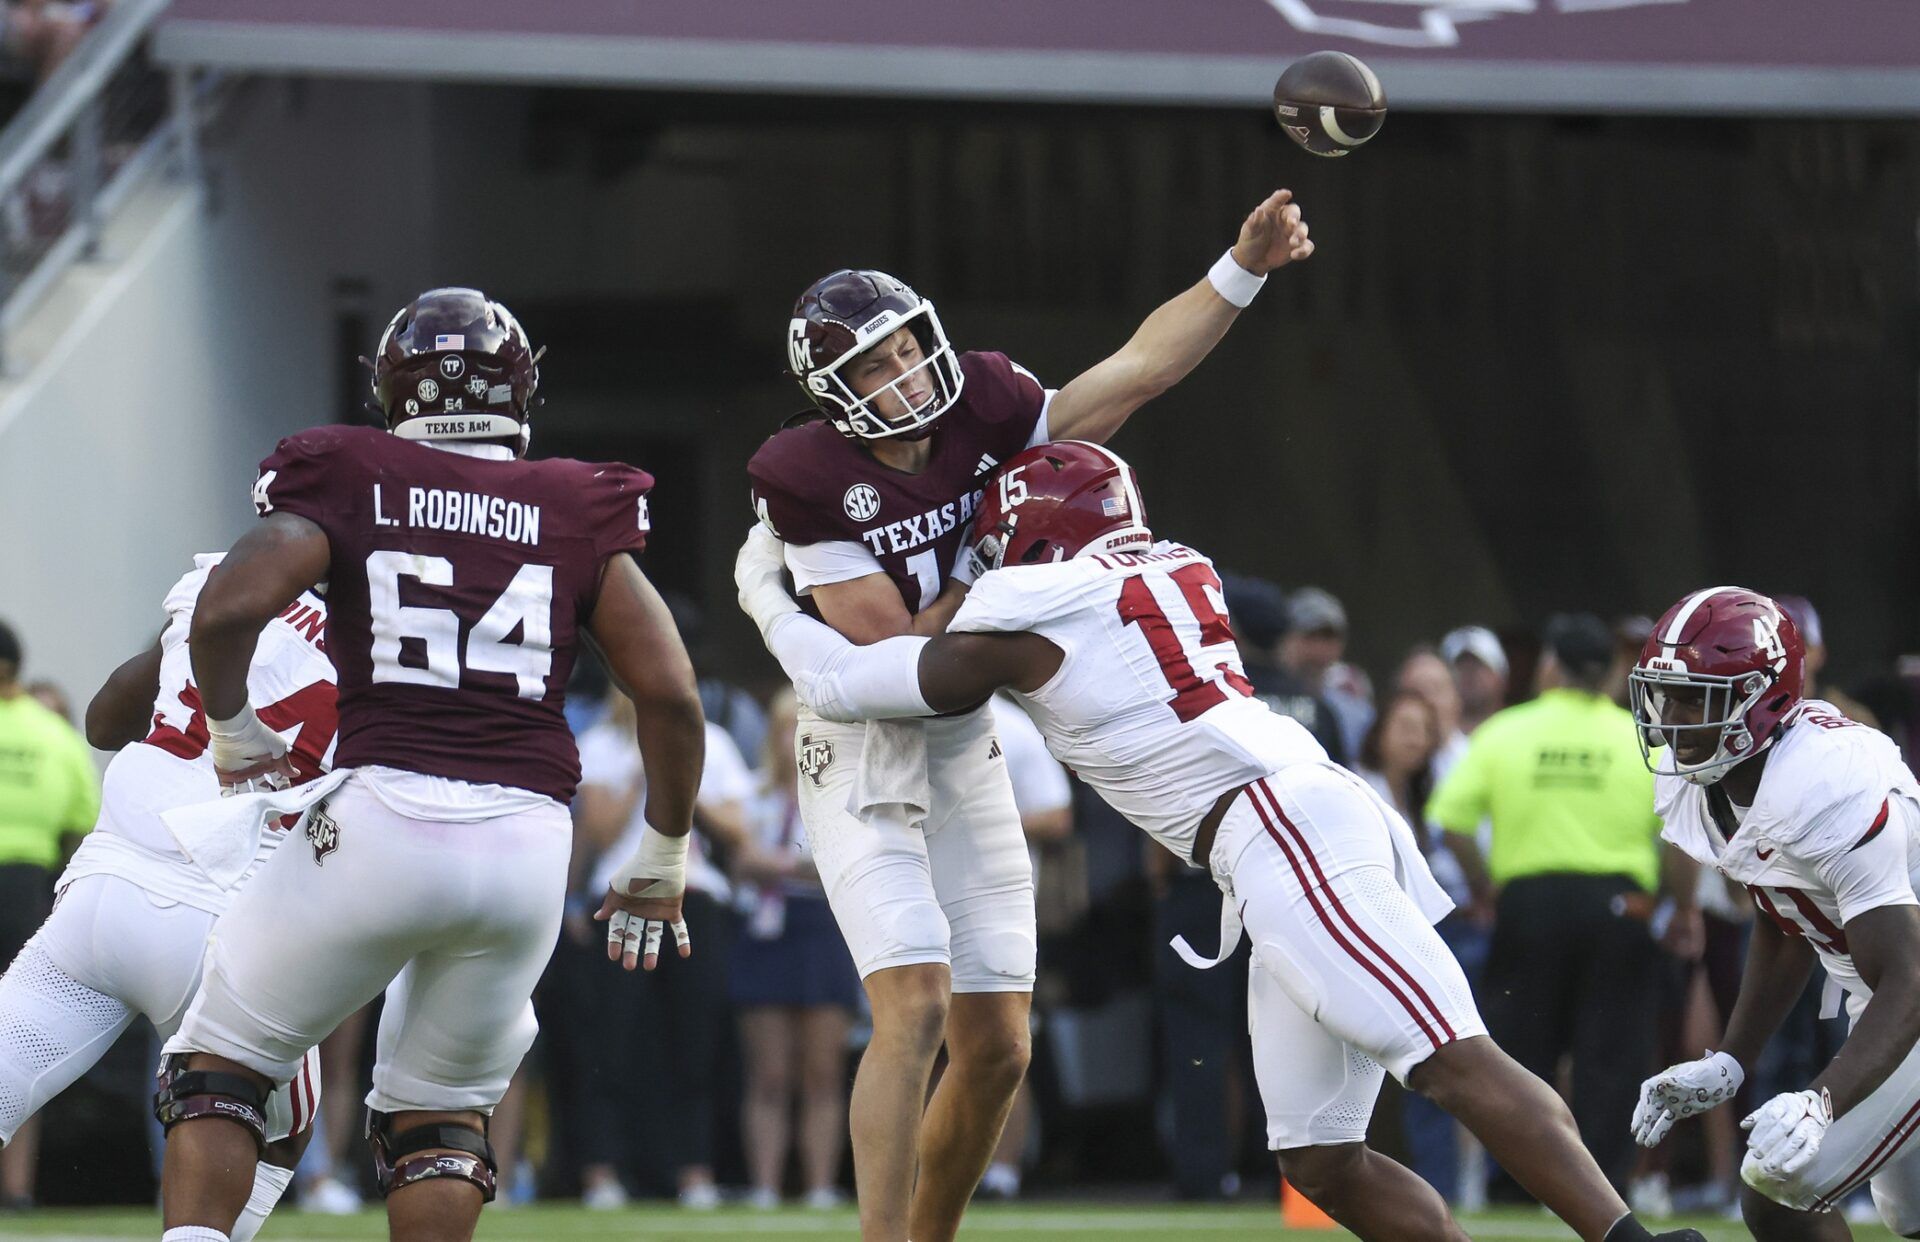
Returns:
(48, 784)
(1563, 781)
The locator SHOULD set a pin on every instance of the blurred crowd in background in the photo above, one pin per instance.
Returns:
(724, 1077)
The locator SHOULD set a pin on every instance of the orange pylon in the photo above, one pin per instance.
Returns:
(1298, 1212)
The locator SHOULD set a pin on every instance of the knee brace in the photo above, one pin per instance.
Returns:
(439, 1149)
(189, 1095)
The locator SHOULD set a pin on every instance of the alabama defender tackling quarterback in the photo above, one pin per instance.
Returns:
(461, 581)
(872, 499)
(1120, 649)
(130, 930)
(1819, 819)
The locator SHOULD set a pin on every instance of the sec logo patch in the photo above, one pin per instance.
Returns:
(861, 502)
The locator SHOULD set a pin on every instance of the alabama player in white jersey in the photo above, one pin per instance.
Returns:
(1120, 649)
(1820, 819)
(130, 928)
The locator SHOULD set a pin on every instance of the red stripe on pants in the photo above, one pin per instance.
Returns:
(1333, 928)
(1405, 975)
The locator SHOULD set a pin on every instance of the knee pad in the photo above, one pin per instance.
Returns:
(919, 926)
(1008, 954)
(438, 1149)
(189, 1095)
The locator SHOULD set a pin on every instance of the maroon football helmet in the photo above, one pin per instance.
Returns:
(1057, 501)
(843, 315)
(453, 365)
(1737, 654)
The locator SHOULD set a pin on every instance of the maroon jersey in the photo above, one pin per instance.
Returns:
(455, 596)
(813, 485)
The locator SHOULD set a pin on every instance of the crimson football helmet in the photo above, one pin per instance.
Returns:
(453, 365)
(846, 313)
(1741, 652)
(1055, 502)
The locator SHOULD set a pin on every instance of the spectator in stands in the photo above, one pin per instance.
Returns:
(1629, 636)
(1397, 754)
(50, 696)
(1575, 846)
(41, 34)
(1315, 641)
(1479, 665)
(1259, 612)
(722, 702)
(1044, 798)
(49, 791)
(683, 1004)
(794, 986)
(1813, 634)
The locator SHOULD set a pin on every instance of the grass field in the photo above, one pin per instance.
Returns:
(1050, 1222)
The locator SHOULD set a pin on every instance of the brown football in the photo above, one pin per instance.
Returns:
(1329, 103)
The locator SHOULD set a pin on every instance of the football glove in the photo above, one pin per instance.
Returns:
(247, 755)
(1783, 1137)
(1682, 1091)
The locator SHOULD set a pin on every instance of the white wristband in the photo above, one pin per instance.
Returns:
(658, 852)
(1233, 282)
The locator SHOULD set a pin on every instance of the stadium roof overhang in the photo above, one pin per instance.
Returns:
(1856, 57)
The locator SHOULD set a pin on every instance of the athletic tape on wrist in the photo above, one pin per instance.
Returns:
(1233, 282)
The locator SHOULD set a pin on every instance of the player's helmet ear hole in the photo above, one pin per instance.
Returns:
(1036, 551)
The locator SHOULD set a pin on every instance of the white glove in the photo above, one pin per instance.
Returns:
(247, 756)
(1681, 1091)
(756, 572)
(966, 566)
(656, 876)
(1783, 1137)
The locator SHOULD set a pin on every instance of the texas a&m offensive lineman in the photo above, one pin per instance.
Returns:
(130, 929)
(1120, 649)
(872, 499)
(1819, 818)
(461, 581)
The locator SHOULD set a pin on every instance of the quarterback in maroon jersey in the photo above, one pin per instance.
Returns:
(913, 825)
(460, 580)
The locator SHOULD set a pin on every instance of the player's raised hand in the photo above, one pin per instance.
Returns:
(1681, 1091)
(756, 572)
(248, 756)
(1273, 236)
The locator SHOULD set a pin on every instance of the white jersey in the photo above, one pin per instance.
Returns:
(290, 683)
(1834, 831)
(1151, 705)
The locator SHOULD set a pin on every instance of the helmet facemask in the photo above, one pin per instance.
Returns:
(856, 415)
(1723, 716)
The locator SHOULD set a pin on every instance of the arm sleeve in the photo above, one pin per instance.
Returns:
(845, 682)
(1462, 799)
(1872, 872)
(822, 564)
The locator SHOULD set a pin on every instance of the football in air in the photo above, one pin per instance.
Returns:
(1329, 103)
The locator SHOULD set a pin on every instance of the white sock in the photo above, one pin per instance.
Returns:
(269, 1183)
(194, 1233)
